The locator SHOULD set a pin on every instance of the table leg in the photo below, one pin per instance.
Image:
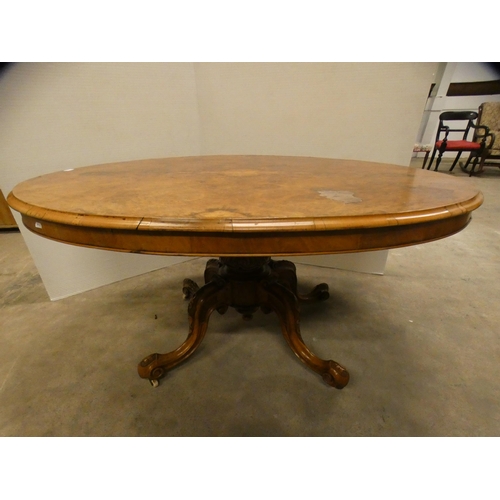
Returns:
(425, 159)
(287, 273)
(204, 302)
(247, 284)
(285, 304)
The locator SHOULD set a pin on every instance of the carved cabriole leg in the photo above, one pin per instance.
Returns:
(318, 293)
(211, 296)
(212, 271)
(246, 283)
(287, 274)
(189, 288)
(285, 303)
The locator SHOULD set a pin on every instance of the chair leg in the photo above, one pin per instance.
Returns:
(438, 161)
(432, 159)
(456, 160)
(481, 162)
(473, 167)
(463, 167)
(425, 159)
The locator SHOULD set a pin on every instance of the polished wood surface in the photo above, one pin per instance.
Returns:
(7, 221)
(245, 209)
(245, 205)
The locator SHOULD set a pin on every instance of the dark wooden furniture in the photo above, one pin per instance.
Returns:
(7, 221)
(245, 210)
(489, 118)
(420, 148)
(445, 144)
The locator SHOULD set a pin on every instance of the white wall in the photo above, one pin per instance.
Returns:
(368, 111)
(64, 115)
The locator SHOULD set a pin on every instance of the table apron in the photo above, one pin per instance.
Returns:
(249, 244)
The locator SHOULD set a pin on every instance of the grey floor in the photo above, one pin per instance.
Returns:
(422, 345)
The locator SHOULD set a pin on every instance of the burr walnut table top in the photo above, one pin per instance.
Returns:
(245, 205)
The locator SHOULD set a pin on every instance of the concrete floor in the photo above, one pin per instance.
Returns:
(422, 345)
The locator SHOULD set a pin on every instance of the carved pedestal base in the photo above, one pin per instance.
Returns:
(246, 284)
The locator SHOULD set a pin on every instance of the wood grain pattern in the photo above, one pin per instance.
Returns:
(245, 205)
(7, 221)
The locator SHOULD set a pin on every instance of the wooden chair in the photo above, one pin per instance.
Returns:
(489, 117)
(443, 144)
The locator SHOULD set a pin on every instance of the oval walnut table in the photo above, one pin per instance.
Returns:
(245, 210)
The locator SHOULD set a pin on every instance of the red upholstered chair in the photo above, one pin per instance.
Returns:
(443, 144)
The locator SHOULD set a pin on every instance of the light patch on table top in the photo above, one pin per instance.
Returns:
(341, 196)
